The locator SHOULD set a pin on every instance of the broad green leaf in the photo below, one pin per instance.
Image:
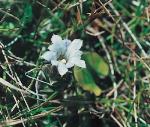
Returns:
(96, 63)
(86, 81)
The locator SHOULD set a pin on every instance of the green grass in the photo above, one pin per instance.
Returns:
(117, 30)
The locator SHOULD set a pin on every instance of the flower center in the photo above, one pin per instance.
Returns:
(63, 61)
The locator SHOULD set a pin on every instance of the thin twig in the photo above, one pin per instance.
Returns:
(119, 124)
(18, 121)
(7, 13)
(134, 94)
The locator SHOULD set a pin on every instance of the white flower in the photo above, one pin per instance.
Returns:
(64, 54)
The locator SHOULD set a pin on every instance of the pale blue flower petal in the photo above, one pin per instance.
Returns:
(60, 47)
(80, 63)
(73, 48)
(54, 47)
(54, 62)
(75, 45)
(74, 58)
(69, 64)
(66, 42)
(62, 69)
(75, 53)
(56, 39)
(48, 55)
(72, 61)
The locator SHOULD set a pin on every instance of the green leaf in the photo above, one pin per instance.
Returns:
(96, 63)
(86, 81)
(27, 16)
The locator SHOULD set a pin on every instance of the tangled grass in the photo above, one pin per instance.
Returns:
(117, 30)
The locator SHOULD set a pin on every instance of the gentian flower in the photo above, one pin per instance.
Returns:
(64, 54)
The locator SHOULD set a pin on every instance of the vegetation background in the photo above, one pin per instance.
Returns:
(116, 36)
